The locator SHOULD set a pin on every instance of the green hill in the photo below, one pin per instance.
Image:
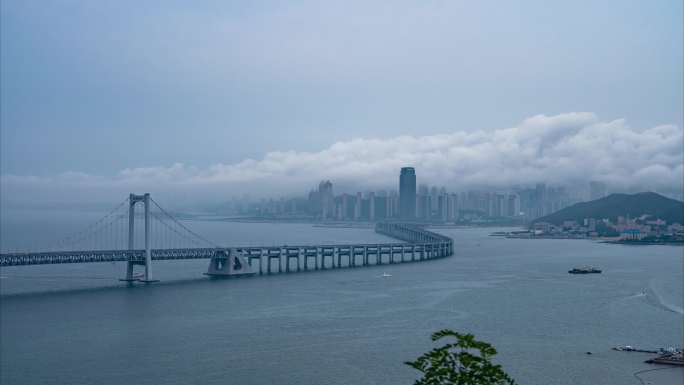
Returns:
(615, 205)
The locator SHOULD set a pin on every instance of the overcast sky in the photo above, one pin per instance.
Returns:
(102, 93)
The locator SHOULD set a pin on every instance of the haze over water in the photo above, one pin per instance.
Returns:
(348, 326)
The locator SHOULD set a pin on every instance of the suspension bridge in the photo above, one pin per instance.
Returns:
(138, 239)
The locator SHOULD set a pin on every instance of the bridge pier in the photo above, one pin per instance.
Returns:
(290, 254)
(310, 252)
(341, 252)
(251, 256)
(339, 258)
(258, 256)
(229, 263)
(132, 200)
(328, 251)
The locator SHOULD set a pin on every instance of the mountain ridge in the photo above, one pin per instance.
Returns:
(614, 205)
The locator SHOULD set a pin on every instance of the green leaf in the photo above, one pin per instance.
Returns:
(465, 362)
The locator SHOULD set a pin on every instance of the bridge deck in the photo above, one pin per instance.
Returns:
(410, 235)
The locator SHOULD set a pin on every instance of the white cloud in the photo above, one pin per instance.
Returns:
(561, 149)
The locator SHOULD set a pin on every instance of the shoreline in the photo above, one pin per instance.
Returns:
(341, 224)
(607, 240)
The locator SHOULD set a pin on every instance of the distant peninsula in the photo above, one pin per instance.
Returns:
(614, 206)
(642, 218)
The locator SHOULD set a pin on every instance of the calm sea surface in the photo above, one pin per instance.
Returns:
(75, 324)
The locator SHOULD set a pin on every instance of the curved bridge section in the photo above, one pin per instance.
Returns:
(417, 244)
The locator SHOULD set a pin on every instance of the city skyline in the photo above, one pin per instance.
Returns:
(416, 201)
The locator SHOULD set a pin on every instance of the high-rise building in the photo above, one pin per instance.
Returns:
(513, 208)
(452, 207)
(443, 206)
(434, 201)
(357, 206)
(371, 206)
(325, 192)
(423, 202)
(407, 193)
(392, 205)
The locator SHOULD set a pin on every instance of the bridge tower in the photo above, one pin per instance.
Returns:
(132, 201)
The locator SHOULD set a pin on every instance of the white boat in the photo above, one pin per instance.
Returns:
(386, 275)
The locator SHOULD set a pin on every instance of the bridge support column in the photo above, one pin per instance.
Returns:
(132, 200)
(261, 258)
(148, 250)
(131, 234)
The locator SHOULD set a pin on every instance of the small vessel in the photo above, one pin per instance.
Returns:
(386, 275)
(626, 348)
(629, 348)
(585, 270)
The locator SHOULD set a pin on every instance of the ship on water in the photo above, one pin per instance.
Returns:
(585, 270)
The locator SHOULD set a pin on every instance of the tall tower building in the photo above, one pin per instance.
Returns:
(357, 206)
(407, 193)
(325, 192)
(371, 206)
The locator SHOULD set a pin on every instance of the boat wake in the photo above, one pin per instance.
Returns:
(663, 303)
(640, 294)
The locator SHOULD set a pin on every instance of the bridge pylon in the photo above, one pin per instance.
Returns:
(132, 201)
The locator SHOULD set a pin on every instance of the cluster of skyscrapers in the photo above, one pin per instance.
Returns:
(420, 202)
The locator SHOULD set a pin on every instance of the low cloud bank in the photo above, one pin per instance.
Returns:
(565, 149)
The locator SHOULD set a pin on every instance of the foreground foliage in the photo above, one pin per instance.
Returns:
(456, 363)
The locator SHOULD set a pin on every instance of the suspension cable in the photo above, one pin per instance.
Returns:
(191, 240)
(183, 226)
(79, 236)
